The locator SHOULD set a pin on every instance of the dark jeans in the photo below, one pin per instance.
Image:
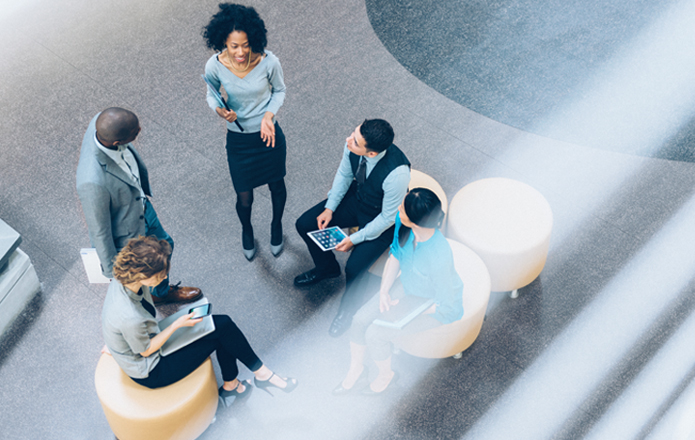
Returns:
(362, 256)
(153, 227)
(227, 340)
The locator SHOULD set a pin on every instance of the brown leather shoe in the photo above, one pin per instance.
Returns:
(179, 294)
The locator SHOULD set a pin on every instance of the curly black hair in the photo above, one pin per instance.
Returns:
(233, 17)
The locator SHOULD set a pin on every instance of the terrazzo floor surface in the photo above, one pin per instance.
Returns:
(600, 346)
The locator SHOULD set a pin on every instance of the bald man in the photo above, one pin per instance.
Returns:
(113, 186)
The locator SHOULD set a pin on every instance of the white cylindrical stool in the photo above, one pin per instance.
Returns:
(508, 224)
(418, 179)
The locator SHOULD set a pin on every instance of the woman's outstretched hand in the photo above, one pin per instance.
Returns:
(268, 130)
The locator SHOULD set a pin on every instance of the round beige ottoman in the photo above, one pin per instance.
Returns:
(418, 179)
(451, 339)
(182, 410)
(507, 223)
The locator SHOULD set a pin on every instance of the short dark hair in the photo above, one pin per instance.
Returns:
(142, 258)
(377, 133)
(233, 17)
(423, 207)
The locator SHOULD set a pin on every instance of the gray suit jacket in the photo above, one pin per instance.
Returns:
(111, 202)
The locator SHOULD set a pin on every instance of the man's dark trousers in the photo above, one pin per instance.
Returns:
(154, 227)
(362, 256)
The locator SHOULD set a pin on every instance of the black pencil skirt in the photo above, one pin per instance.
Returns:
(251, 163)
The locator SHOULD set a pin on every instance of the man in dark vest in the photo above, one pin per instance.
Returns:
(367, 190)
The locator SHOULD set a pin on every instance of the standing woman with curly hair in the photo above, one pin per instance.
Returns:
(253, 80)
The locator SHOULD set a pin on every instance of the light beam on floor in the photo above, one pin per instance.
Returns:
(652, 387)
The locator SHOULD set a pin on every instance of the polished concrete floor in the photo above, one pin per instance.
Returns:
(600, 346)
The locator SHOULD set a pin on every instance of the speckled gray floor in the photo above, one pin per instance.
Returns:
(595, 72)
(600, 346)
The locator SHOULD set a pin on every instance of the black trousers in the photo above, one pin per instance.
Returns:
(227, 340)
(362, 256)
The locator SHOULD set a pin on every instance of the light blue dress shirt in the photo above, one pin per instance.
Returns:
(395, 188)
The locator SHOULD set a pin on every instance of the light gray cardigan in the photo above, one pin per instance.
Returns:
(261, 90)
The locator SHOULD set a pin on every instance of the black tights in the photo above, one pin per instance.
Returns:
(244, 200)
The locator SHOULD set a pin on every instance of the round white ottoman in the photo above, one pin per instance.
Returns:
(508, 224)
(418, 179)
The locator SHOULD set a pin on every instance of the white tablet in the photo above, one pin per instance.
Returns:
(328, 238)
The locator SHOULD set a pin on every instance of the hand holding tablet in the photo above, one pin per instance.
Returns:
(328, 238)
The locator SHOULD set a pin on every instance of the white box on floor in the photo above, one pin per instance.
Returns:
(92, 266)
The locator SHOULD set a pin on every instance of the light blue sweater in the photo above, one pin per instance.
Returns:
(261, 91)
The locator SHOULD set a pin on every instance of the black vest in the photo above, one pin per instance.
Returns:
(371, 194)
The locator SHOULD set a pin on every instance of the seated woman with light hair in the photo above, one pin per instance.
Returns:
(426, 264)
(134, 340)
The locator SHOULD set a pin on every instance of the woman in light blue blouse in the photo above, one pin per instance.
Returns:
(423, 256)
(253, 80)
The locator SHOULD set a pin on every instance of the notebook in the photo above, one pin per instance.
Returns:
(185, 335)
(407, 309)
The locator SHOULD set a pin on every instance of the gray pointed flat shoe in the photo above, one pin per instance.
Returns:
(250, 253)
(277, 250)
(246, 241)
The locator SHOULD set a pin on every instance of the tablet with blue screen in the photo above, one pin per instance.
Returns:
(328, 238)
